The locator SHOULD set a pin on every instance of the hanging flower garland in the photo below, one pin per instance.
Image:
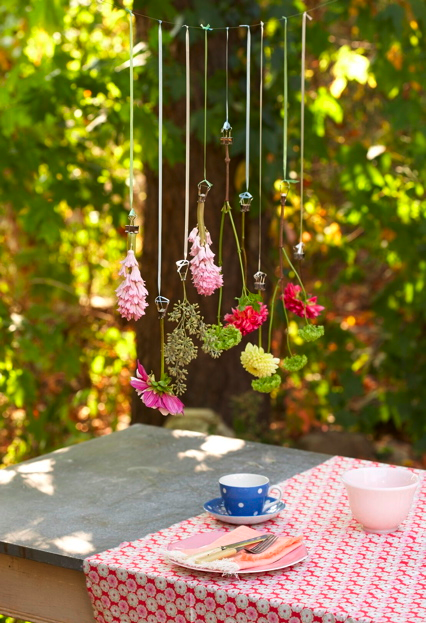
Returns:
(159, 394)
(131, 293)
(206, 276)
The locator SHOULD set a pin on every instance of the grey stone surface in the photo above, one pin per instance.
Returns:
(64, 506)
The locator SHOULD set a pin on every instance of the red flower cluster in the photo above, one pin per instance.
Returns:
(308, 309)
(248, 319)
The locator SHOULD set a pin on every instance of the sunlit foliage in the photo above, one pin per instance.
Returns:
(64, 155)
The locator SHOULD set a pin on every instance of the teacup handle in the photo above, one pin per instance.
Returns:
(278, 497)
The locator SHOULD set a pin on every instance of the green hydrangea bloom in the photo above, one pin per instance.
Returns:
(267, 384)
(295, 363)
(311, 332)
(217, 339)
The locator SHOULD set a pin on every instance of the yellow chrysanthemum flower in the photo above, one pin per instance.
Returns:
(257, 362)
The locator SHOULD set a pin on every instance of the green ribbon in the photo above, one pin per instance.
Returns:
(132, 213)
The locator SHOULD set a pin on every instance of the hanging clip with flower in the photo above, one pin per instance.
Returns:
(158, 394)
(131, 293)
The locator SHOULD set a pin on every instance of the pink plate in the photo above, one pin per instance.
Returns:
(205, 538)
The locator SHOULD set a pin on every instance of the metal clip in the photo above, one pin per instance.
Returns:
(162, 304)
(182, 268)
(226, 138)
(245, 201)
(259, 280)
(203, 190)
(299, 253)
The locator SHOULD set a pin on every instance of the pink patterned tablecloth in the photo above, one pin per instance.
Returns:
(349, 576)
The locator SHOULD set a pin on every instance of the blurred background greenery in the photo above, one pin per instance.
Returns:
(66, 356)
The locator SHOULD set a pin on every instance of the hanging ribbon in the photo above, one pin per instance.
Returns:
(246, 198)
(132, 213)
(131, 293)
(187, 143)
(285, 115)
(227, 75)
(302, 122)
(206, 29)
(260, 149)
(160, 152)
(248, 107)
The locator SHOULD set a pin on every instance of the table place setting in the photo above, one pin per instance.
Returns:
(348, 545)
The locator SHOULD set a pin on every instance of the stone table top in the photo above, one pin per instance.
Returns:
(66, 505)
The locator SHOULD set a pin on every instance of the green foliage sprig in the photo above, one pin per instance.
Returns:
(311, 332)
(267, 384)
(180, 349)
(295, 362)
(217, 338)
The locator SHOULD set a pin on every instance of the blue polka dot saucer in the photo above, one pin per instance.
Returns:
(216, 509)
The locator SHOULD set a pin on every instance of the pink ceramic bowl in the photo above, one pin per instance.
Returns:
(380, 497)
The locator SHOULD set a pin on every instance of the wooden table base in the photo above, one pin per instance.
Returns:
(43, 593)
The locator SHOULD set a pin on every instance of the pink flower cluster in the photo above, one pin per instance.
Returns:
(131, 293)
(206, 276)
(164, 402)
(248, 319)
(308, 309)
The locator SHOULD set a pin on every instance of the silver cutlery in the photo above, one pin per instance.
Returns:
(226, 551)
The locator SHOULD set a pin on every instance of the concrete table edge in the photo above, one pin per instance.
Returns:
(181, 441)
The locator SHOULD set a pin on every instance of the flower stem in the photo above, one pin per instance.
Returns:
(220, 259)
(288, 336)
(296, 273)
(237, 242)
(200, 222)
(271, 316)
(243, 243)
(162, 347)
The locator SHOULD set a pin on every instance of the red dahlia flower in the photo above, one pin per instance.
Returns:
(308, 309)
(248, 319)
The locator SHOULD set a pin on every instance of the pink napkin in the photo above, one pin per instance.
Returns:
(242, 560)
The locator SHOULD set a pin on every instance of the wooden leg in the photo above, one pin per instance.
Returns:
(42, 593)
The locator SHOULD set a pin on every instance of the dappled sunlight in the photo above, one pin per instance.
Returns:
(213, 447)
(178, 434)
(75, 543)
(219, 446)
(6, 476)
(38, 475)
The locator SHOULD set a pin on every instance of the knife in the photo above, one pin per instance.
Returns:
(225, 551)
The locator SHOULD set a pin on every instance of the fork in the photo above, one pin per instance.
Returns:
(263, 546)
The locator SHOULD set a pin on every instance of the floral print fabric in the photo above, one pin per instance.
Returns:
(350, 576)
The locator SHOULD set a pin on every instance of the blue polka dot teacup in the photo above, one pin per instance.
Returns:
(246, 494)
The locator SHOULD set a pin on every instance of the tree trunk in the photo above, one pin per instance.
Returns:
(211, 382)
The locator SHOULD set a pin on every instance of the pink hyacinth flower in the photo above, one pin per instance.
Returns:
(248, 319)
(206, 276)
(164, 402)
(131, 293)
(308, 309)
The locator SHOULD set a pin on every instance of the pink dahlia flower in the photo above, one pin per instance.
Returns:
(131, 293)
(151, 397)
(248, 319)
(206, 276)
(308, 309)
